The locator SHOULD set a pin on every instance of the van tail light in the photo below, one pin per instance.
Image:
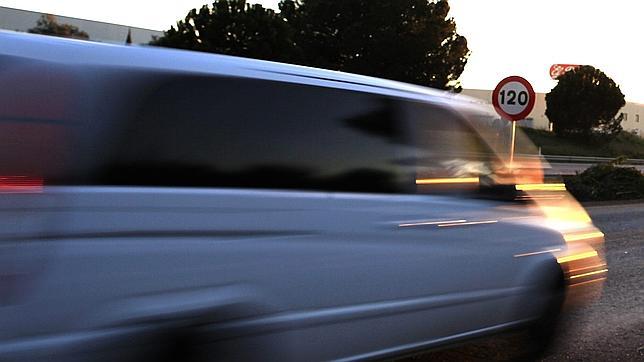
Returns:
(21, 184)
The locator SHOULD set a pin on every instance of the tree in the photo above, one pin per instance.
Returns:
(233, 27)
(585, 101)
(48, 25)
(407, 40)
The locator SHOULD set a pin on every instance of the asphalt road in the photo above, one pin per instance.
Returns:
(611, 329)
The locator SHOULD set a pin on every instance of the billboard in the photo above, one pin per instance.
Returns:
(557, 70)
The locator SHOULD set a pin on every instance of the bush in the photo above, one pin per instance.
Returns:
(606, 182)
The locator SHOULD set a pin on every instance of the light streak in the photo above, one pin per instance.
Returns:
(421, 223)
(571, 271)
(468, 223)
(536, 253)
(540, 187)
(589, 274)
(588, 282)
(577, 237)
(573, 257)
(451, 180)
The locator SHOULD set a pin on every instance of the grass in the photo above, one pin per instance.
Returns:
(625, 144)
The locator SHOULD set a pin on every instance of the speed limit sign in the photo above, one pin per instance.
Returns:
(513, 98)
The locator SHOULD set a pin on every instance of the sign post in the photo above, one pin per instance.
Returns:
(513, 142)
(513, 99)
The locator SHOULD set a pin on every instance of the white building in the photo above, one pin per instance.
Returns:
(633, 112)
(23, 20)
(634, 118)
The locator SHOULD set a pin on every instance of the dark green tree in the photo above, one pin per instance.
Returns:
(233, 27)
(407, 40)
(48, 25)
(585, 101)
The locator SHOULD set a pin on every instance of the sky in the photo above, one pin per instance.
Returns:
(506, 37)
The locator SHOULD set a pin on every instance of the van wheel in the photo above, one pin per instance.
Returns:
(542, 334)
(178, 345)
(194, 345)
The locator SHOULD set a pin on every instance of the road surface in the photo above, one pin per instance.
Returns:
(611, 329)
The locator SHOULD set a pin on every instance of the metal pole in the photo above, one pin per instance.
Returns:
(514, 132)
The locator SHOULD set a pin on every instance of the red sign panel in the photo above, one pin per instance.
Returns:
(557, 70)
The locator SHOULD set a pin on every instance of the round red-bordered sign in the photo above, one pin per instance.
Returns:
(513, 98)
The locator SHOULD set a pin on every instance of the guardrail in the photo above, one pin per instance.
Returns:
(549, 158)
(581, 159)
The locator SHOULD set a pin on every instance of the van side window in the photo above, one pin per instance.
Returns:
(451, 154)
(235, 132)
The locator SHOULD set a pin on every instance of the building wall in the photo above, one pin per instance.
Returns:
(634, 112)
(633, 118)
(22, 20)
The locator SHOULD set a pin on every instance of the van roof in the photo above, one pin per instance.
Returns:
(72, 51)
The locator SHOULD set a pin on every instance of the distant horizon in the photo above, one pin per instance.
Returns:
(505, 39)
